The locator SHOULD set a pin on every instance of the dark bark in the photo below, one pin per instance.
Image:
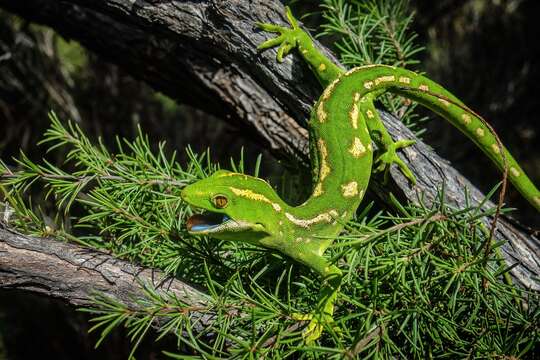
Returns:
(204, 53)
(77, 274)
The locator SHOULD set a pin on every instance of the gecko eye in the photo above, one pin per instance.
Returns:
(220, 201)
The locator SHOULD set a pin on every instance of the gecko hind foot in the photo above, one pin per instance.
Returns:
(317, 324)
(287, 39)
(389, 157)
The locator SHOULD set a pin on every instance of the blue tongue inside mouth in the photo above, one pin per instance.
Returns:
(206, 221)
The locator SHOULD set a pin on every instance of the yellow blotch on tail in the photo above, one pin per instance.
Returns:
(515, 172)
(350, 189)
(386, 78)
(466, 118)
(357, 149)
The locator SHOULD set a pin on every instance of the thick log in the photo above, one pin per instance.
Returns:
(77, 274)
(211, 45)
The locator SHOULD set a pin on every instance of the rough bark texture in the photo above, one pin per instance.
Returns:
(204, 53)
(76, 274)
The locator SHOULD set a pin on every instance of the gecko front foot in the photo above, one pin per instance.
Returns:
(389, 157)
(288, 37)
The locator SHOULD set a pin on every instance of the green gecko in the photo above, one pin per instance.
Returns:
(343, 124)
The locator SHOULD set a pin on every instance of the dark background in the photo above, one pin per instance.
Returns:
(485, 51)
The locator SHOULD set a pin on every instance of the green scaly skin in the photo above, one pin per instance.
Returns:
(343, 123)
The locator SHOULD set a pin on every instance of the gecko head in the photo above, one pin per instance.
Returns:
(237, 206)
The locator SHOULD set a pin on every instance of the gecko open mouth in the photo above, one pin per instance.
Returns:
(206, 222)
(215, 223)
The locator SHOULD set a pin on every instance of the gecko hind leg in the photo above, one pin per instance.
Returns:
(318, 322)
(288, 38)
(323, 316)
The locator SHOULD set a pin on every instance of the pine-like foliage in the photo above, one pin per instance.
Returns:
(418, 284)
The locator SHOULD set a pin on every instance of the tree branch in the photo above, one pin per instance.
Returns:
(76, 274)
(211, 45)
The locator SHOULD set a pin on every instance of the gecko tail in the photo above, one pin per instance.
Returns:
(485, 137)
(516, 174)
(478, 130)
